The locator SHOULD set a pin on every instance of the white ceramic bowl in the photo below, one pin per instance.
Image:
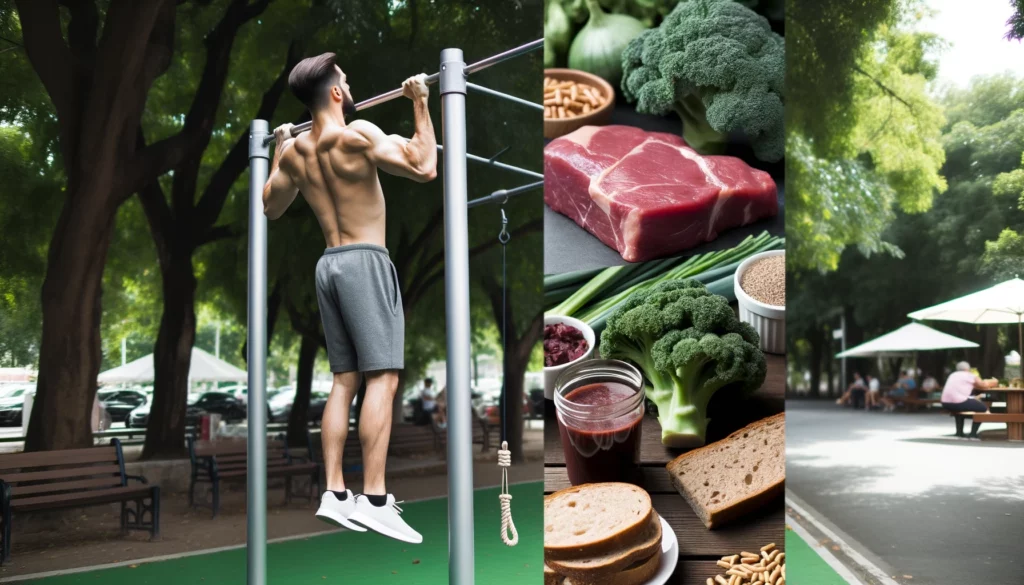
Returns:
(768, 320)
(551, 374)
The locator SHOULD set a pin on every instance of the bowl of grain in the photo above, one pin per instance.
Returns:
(760, 288)
(573, 99)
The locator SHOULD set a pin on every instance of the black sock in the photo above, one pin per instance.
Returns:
(379, 501)
(342, 496)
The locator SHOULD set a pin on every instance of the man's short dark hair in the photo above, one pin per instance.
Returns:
(312, 78)
(428, 381)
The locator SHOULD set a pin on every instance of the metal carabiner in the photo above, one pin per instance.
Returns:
(504, 236)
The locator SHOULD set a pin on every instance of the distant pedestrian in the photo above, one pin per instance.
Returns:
(957, 396)
(874, 393)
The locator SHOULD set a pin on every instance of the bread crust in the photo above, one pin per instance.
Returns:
(637, 574)
(749, 504)
(628, 534)
(638, 551)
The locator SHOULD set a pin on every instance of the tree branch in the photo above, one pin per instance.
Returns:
(49, 56)
(220, 232)
(883, 87)
(85, 21)
(158, 215)
(234, 164)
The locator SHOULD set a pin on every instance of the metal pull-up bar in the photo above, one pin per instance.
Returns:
(453, 86)
(433, 78)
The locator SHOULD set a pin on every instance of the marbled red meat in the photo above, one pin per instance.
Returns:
(648, 194)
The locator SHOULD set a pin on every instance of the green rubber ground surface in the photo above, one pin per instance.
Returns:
(805, 567)
(368, 558)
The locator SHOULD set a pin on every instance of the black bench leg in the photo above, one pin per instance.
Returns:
(5, 555)
(288, 490)
(216, 497)
(124, 516)
(154, 510)
(314, 479)
(192, 493)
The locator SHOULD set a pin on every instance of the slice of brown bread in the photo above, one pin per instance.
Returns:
(594, 518)
(732, 477)
(636, 574)
(551, 577)
(592, 568)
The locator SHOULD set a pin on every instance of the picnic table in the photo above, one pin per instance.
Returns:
(1014, 416)
(698, 546)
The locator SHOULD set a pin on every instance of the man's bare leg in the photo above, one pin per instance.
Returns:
(334, 426)
(375, 428)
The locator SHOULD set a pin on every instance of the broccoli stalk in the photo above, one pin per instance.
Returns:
(689, 345)
(720, 67)
(697, 131)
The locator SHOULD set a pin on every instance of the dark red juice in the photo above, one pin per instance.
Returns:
(605, 448)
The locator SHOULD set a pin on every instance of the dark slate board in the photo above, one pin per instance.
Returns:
(568, 247)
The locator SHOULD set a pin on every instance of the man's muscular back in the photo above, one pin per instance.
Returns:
(335, 166)
(337, 179)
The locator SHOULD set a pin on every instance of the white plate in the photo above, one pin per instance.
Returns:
(669, 555)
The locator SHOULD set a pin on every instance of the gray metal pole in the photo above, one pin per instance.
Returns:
(506, 96)
(842, 325)
(498, 165)
(256, 503)
(504, 194)
(456, 304)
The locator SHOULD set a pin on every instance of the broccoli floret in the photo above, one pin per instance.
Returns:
(689, 344)
(720, 67)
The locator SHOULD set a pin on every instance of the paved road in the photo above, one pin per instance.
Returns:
(914, 500)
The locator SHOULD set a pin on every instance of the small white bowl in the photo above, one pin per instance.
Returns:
(768, 320)
(551, 374)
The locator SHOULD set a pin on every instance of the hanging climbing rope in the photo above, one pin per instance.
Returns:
(508, 528)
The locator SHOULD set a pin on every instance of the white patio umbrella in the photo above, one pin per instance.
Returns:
(204, 368)
(907, 340)
(1002, 303)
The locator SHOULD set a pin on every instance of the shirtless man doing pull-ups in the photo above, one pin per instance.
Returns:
(334, 166)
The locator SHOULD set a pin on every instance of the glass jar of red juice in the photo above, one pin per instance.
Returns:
(600, 409)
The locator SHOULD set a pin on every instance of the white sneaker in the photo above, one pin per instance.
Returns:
(384, 519)
(337, 512)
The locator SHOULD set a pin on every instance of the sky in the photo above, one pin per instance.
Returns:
(974, 29)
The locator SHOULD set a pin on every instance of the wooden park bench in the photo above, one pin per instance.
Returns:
(405, 440)
(74, 478)
(220, 461)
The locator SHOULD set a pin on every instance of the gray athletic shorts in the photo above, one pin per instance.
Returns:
(361, 307)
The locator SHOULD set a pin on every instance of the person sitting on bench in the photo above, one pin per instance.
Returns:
(957, 396)
(900, 390)
(854, 393)
(874, 393)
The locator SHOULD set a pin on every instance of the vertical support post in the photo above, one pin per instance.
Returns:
(256, 503)
(843, 381)
(456, 304)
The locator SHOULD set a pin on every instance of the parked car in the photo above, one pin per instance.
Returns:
(227, 406)
(139, 417)
(12, 403)
(120, 403)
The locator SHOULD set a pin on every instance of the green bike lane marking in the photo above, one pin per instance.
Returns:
(804, 566)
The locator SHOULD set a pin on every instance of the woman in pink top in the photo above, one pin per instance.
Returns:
(957, 396)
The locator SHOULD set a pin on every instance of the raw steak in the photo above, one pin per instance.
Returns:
(648, 194)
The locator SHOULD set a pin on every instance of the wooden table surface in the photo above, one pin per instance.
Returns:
(699, 547)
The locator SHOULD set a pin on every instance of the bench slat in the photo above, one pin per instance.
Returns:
(66, 457)
(999, 417)
(81, 498)
(220, 448)
(67, 472)
(65, 486)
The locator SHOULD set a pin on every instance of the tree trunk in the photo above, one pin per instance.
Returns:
(70, 349)
(172, 359)
(829, 364)
(298, 419)
(817, 343)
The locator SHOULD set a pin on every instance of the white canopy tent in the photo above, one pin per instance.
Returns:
(906, 341)
(1002, 303)
(205, 368)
